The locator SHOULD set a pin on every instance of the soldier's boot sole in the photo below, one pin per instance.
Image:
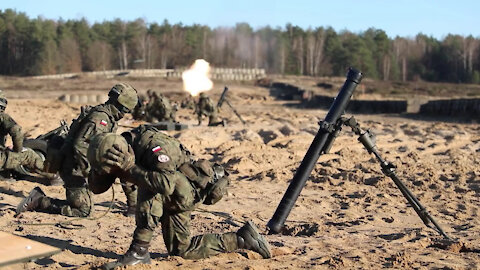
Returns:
(253, 240)
(126, 261)
(31, 202)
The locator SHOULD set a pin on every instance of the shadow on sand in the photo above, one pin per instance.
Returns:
(66, 244)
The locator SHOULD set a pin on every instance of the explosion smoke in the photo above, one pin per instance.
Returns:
(197, 79)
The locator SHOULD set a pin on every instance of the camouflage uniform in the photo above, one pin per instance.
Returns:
(167, 196)
(150, 96)
(11, 159)
(160, 109)
(140, 112)
(188, 102)
(75, 167)
(205, 106)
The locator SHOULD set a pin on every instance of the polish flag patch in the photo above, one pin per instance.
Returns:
(103, 123)
(156, 149)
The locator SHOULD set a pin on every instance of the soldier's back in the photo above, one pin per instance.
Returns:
(159, 151)
(6, 123)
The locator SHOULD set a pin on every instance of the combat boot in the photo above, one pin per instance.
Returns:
(130, 212)
(56, 180)
(136, 254)
(249, 238)
(32, 201)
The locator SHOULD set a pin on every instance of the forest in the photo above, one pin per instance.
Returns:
(40, 46)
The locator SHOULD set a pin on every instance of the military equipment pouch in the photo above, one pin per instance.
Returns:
(216, 190)
(55, 155)
(199, 172)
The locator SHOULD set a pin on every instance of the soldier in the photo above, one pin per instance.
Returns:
(160, 109)
(188, 102)
(11, 159)
(171, 185)
(205, 106)
(150, 96)
(140, 112)
(75, 166)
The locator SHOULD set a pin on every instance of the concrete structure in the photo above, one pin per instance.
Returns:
(224, 74)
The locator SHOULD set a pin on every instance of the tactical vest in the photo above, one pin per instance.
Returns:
(76, 123)
(84, 112)
(58, 147)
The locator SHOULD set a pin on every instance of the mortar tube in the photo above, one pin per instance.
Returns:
(314, 151)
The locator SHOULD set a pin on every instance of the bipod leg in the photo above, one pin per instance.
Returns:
(235, 111)
(368, 140)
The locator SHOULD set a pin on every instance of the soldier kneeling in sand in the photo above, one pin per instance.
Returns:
(74, 167)
(160, 109)
(11, 159)
(206, 107)
(170, 186)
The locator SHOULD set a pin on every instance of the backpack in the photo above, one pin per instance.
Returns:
(210, 179)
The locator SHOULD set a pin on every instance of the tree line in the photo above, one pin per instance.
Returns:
(43, 46)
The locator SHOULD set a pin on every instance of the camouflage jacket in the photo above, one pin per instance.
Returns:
(9, 126)
(158, 158)
(99, 119)
(205, 106)
(160, 107)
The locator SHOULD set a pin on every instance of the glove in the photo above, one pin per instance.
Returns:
(123, 161)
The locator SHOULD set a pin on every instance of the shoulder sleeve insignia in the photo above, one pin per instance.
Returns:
(103, 123)
(163, 158)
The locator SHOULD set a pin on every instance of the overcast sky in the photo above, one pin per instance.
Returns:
(404, 18)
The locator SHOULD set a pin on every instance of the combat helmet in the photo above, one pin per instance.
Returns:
(125, 95)
(3, 101)
(98, 147)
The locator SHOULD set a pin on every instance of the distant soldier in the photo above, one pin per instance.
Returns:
(140, 111)
(159, 109)
(75, 166)
(11, 159)
(150, 95)
(171, 185)
(206, 107)
(188, 103)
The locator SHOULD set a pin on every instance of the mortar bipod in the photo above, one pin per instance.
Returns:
(367, 138)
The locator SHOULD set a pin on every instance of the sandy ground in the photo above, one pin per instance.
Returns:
(349, 215)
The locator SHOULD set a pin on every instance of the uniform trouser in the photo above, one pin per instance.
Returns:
(78, 201)
(130, 191)
(11, 160)
(176, 230)
(212, 118)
